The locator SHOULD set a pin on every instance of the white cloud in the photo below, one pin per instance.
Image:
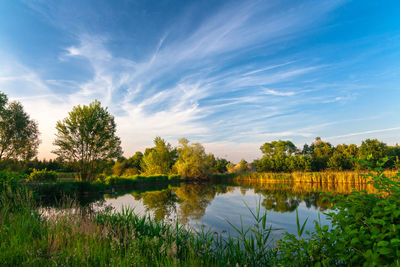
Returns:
(277, 93)
(146, 106)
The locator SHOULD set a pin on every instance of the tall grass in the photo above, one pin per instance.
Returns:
(333, 177)
(124, 238)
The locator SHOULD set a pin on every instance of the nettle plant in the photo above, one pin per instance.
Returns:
(365, 228)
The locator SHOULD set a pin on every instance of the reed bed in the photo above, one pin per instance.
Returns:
(332, 177)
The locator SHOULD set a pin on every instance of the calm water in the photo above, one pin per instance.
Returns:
(213, 204)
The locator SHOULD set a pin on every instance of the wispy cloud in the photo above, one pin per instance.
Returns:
(218, 82)
(364, 133)
(277, 93)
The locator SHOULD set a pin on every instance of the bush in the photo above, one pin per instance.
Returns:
(365, 230)
(42, 176)
(10, 180)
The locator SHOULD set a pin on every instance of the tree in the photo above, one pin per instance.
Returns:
(372, 150)
(321, 154)
(242, 166)
(220, 165)
(278, 148)
(87, 136)
(159, 159)
(128, 167)
(193, 161)
(341, 157)
(19, 135)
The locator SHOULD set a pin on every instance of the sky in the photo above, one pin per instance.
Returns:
(231, 75)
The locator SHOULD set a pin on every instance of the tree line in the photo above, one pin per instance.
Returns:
(86, 143)
(284, 156)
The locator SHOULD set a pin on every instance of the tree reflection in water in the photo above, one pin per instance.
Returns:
(190, 200)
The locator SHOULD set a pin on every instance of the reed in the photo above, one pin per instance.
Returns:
(332, 177)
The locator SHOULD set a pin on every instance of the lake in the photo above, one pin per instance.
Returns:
(212, 205)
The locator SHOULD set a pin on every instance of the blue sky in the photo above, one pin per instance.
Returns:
(229, 74)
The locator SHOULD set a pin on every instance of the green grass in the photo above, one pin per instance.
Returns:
(120, 239)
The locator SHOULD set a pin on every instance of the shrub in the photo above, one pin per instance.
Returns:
(365, 229)
(130, 172)
(42, 176)
(9, 180)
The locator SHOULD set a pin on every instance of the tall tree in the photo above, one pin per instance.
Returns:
(87, 136)
(372, 150)
(19, 135)
(193, 161)
(159, 159)
(278, 148)
(321, 154)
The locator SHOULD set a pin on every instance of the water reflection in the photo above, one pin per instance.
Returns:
(161, 203)
(189, 201)
(213, 204)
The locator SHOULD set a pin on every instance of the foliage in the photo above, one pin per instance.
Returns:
(10, 180)
(220, 165)
(242, 167)
(283, 156)
(19, 135)
(159, 159)
(128, 167)
(42, 176)
(278, 148)
(193, 161)
(253, 246)
(372, 151)
(365, 229)
(87, 137)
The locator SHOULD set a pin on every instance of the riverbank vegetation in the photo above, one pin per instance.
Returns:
(365, 230)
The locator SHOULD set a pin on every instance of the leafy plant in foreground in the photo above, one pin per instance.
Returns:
(365, 229)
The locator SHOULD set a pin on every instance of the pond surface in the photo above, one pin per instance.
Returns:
(212, 205)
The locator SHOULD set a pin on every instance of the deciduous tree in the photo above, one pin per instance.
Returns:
(86, 136)
(19, 135)
(193, 161)
(159, 159)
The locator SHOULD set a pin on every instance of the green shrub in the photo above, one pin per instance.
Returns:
(9, 179)
(42, 176)
(365, 230)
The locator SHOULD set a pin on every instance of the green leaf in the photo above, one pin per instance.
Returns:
(395, 241)
(383, 243)
(385, 251)
(355, 240)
